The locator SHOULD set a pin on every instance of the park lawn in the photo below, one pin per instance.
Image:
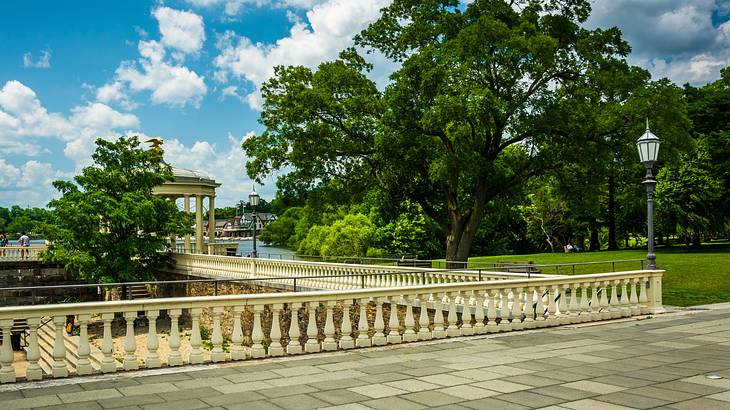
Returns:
(692, 277)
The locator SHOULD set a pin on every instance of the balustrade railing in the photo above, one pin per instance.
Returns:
(275, 324)
(21, 253)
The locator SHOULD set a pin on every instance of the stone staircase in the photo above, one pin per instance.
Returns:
(46, 337)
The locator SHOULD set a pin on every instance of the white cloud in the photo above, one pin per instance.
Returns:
(44, 61)
(180, 30)
(28, 184)
(670, 38)
(168, 81)
(333, 24)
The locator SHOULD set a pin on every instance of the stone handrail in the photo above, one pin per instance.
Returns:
(334, 276)
(308, 322)
(21, 253)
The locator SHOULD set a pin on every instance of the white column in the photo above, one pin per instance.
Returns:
(329, 342)
(130, 343)
(216, 338)
(34, 371)
(237, 351)
(393, 322)
(83, 365)
(312, 345)
(211, 225)
(423, 332)
(275, 348)
(7, 371)
(409, 335)
(257, 334)
(346, 341)
(196, 354)
(108, 364)
(188, 247)
(174, 358)
(379, 325)
(294, 346)
(363, 339)
(199, 246)
(59, 368)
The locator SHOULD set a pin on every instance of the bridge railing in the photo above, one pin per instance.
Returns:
(276, 324)
(21, 253)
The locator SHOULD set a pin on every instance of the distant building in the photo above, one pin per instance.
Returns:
(242, 226)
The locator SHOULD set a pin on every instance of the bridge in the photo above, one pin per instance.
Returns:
(345, 307)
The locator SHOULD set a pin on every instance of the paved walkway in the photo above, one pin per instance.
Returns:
(657, 362)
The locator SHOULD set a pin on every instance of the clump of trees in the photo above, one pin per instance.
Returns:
(108, 225)
(15, 220)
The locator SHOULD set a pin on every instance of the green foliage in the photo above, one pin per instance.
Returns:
(16, 220)
(110, 227)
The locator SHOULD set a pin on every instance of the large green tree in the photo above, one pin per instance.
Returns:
(109, 225)
(483, 101)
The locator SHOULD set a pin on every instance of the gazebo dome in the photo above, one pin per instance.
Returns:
(188, 175)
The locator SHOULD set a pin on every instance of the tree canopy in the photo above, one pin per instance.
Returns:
(488, 96)
(108, 225)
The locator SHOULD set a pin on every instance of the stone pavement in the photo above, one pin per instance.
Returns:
(650, 363)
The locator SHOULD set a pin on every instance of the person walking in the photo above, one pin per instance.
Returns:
(3, 243)
(24, 241)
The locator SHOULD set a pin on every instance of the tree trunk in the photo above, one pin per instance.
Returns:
(612, 244)
(595, 245)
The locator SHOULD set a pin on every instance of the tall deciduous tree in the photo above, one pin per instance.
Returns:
(478, 107)
(110, 227)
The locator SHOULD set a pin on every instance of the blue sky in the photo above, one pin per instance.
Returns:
(189, 71)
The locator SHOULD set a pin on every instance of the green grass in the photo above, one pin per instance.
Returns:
(692, 277)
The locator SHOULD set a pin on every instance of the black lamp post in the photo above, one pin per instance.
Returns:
(648, 146)
(253, 200)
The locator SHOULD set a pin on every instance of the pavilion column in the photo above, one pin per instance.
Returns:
(199, 245)
(186, 207)
(173, 238)
(211, 225)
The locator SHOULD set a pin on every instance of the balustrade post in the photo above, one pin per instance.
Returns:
(33, 371)
(423, 331)
(633, 298)
(595, 304)
(257, 334)
(409, 334)
(466, 327)
(379, 325)
(312, 345)
(294, 346)
(393, 336)
(584, 304)
(438, 317)
(655, 293)
(573, 307)
(563, 317)
(59, 367)
(108, 364)
(614, 304)
(275, 348)
(329, 342)
(479, 327)
(7, 371)
(216, 338)
(517, 309)
(643, 308)
(605, 311)
(540, 307)
(196, 354)
(83, 365)
(130, 343)
(492, 326)
(624, 299)
(528, 310)
(346, 340)
(363, 339)
(174, 358)
(504, 311)
(452, 330)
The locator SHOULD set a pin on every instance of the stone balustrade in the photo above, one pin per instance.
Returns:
(277, 324)
(21, 253)
(289, 274)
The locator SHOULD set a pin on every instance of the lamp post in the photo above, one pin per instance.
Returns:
(648, 146)
(253, 200)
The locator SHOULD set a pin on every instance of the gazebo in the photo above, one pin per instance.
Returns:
(189, 184)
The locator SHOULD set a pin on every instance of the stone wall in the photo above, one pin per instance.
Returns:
(36, 273)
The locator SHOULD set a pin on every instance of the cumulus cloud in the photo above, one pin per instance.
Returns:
(329, 28)
(44, 61)
(671, 38)
(234, 7)
(159, 70)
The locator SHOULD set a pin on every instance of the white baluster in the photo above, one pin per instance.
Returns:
(174, 358)
(216, 338)
(363, 340)
(528, 309)
(492, 311)
(624, 300)
(605, 312)
(196, 354)
(452, 330)
(409, 334)
(379, 325)
(585, 309)
(614, 304)
(83, 365)
(552, 319)
(504, 324)
(517, 310)
(479, 327)
(438, 317)
(275, 348)
(312, 345)
(540, 307)
(329, 342)
(7, 371)
(423, 332)
(563, 317)
(108, 364)
(33, 371)
(130, 343)
(644, 308)
(595, 304)
(294, 346)
(346, 340)
(466, 327)
(257, 334)
(573, 306)
(393, 322)
(634, 299)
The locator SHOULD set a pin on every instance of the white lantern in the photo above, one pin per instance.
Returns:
(253, 198)
(648, 146)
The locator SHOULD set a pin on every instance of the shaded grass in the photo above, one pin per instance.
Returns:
(692, 277)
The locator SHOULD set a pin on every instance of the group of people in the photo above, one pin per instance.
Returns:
(573, 248)
(23, 241)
